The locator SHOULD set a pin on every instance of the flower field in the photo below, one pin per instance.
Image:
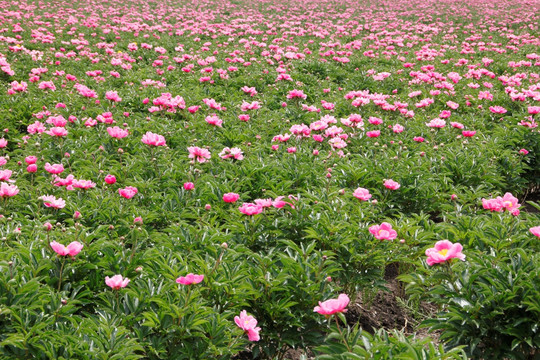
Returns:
(233, 179)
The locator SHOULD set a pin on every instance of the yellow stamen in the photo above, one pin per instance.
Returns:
(443, 252)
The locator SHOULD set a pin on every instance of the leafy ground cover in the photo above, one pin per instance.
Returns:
(269, 180)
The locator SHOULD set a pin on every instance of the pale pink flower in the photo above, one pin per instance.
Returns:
(5, 175)
(391, 184)
(152, 139)
(7, 190)
(116, 282)
(279, 203)
(54, 168)
(199, 154)
(436, 123)
(497, 110)
(264, 203)
(249, 324)
(57, 131)
(296, 94)
(83, 184)
(250, 209)
(535, 231)
(117, 132)
(362, 194)
(234, 153)
(214, 120)
(510, 202)
(333, 306)
(112, 96)
(190, 279)
(444, 250)
(492, 205)
(397, 128)
(383, 231)
(53, 202)
(72, 249)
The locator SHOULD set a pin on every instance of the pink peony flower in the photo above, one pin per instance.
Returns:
(199, 154)
(444, 250)
(30, 160)
(230, 197)
(436, 123)
(57, 131)
(383, 231)
(391, 184)
(110, 179)
(250, 209)
(214, 120)
(373, 134)
(535, 231)
(53, 202)
(333, 306)
(279, 203)
(54, 168)
(296, 94)
(113, 96)
(231, 153)
(248, 323)
(128, 192)
(189, 186)
(362, 194)
(116, 282)
(152, 139)
(72, 249)
(190, 279)
(498, 110)
(7, 190)
(117, 132)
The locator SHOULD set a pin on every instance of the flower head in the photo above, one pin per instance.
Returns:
(230, 197)
(199, 154)
(444, 250)
(250, 209)
(248, 323)
(116, 282)
(362, 194)
(128, 192)
(190, 279)
(383, 231)
(152, 139)
(333, 306)
(72, 249)
(391, 184)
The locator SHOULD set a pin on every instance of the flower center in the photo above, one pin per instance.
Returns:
(508, 204)
(443, 252)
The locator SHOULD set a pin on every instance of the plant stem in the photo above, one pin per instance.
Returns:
(61, 272)
(340, 333)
